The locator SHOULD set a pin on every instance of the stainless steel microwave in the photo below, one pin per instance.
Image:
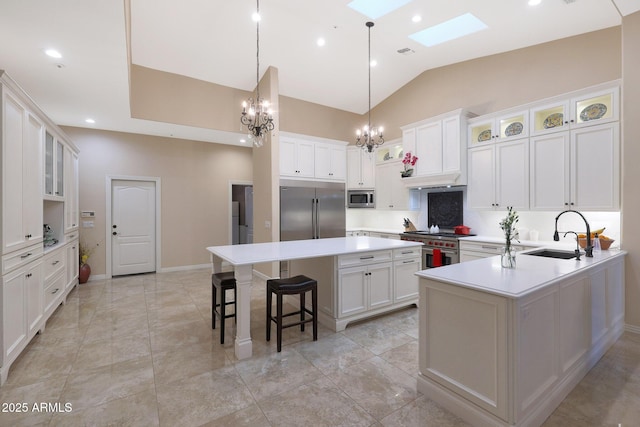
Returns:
(361, 199)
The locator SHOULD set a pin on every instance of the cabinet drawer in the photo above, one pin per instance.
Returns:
(54, 289)
(21, 257)
(407, 253)
(53, 263)
(363, 258)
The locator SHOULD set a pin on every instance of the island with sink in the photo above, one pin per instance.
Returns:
(504, 346)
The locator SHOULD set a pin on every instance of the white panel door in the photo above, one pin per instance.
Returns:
(133, 227)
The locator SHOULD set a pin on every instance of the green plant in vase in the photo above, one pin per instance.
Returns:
(508, 226)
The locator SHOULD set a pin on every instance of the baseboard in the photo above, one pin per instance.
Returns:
(186, 268)
(632, 328)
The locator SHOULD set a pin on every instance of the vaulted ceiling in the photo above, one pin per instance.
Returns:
(215, 41)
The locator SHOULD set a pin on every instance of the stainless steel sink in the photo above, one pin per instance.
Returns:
(551, 253)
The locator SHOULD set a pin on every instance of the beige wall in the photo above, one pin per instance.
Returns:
(172, 98)
(195, 186)
(630, 158)
(307, 118)
(497, 82)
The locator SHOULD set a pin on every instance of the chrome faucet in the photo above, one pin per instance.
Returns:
(588, 250)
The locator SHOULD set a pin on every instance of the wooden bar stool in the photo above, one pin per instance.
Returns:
(298, 285)
(222, 282)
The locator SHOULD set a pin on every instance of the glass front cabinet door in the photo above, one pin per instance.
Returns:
(53, 167)
(504, 127)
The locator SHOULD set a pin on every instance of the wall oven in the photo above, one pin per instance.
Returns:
(361, 199)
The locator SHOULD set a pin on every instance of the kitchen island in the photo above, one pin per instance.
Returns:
(354, 252)
(505, 346)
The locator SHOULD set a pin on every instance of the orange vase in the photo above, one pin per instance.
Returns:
(85, 272)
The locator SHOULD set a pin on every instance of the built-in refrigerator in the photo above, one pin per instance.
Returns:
(311, 210)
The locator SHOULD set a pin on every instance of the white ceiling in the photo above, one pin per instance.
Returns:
(214, 40)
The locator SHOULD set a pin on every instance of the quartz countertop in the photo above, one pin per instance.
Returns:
(531, 272)
(300, 249)
(378, 230)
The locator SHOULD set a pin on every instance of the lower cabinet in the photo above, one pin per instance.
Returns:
(405, 279)
(22, 310)
(364, 288)
(30, 294)
(479, 249)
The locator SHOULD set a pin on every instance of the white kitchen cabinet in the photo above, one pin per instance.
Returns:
(71, 211)
(382, 235)
(53, 167)
(72, 267)
(439, 144)
(364, 288)
(22, 309)
(505, 126)
(404, 269)
(587, 109)
(499, 176)
(361, 169)
(391, 193)
(296, 158)
(22, 134)
(471, 250)
(330, 161)
(578, 169)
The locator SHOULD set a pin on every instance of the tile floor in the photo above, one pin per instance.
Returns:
(140, 351)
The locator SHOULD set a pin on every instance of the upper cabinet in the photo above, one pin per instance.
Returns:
(71, 210)
(330, 161)
(361, 169)
(440, 145)
(296, 158)
(504, 127)
(600, 106)
(312, 158)
(53, 167)
(579, 169)
(21, 136)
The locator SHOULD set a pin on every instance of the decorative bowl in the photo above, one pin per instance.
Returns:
(604, 243)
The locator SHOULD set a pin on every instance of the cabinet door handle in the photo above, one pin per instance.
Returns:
(406, 252)
(72, 236)
(409, 261)
(367, 257)
(55, 262)
(28, 275)
(25, 255)
(55, 290)
(490, 247)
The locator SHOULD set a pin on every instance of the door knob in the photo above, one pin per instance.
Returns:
(114, 233)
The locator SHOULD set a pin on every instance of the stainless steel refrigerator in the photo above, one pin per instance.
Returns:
(311, 210)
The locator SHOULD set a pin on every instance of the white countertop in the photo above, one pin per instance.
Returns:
(378, 230)
(531, 272)
(299, 249)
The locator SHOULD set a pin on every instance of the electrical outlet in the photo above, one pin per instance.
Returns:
(267, 224)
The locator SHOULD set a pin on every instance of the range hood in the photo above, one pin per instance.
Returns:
(439, 180)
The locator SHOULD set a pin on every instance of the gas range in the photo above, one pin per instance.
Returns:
(439, 248)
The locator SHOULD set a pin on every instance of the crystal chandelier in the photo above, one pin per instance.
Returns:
(256, 114)
(369, 137)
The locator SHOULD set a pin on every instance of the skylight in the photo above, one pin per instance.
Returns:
(452, 29)
(374, 9)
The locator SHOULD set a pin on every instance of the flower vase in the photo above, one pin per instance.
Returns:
(508, 257)
(406, 173)
(85, 272)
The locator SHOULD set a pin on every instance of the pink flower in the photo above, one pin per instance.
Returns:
(409, 159)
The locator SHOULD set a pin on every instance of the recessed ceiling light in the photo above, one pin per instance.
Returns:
(373, 63)
(90, 120)
(374, 9)
(416, 18)
(255, 17)
(534, 2)
(452, 29)
(321, 42)
(242, 141)
(53, 53)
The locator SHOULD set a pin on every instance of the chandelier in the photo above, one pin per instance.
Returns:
(256, 114)
(369, 137)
